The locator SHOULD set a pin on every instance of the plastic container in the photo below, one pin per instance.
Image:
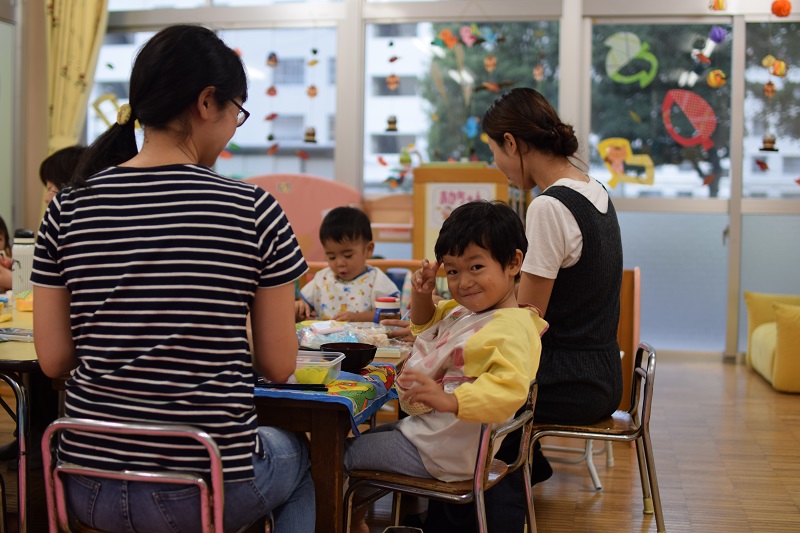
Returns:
(317, 368)
(22, 253)
(386, 307)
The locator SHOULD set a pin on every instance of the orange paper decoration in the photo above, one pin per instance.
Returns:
(781, 8)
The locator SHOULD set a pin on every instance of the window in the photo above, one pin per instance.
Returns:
(332, 71)
(431, 82)
(661, 110)
(777, 116)
(395, 30)
(290, 72)
(390, 144)
(126, 5)
(406, 86)
(288, 127)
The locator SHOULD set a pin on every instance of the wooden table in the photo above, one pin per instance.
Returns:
(16, 359)
(329, 425)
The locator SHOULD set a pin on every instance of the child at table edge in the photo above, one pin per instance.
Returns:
(346, 289)
(484, 348)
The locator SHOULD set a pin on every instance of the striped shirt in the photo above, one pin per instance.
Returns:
(162, 265)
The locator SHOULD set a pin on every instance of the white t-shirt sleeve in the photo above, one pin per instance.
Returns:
(555, 240)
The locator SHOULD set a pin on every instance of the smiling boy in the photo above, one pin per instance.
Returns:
(474, 356)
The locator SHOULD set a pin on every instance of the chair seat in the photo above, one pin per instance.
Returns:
(620, 424)
(497, 471)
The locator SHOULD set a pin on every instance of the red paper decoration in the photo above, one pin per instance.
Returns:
(781, 8)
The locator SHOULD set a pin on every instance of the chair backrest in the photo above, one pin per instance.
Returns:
(306, 199)
(210, 500)
(628, 328)
(642, 385)
(524, 420)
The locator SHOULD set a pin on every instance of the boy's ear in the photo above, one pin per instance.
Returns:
(370, 249)
(516, 262)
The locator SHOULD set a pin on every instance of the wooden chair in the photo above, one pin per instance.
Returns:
(488, 472)
(212, 498)
(630, 425)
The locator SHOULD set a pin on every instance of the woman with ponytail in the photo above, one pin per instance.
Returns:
(146, 270)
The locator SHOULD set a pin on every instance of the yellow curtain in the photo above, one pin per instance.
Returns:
(75, 31)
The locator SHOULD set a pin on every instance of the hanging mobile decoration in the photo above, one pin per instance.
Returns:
(781, 8)
(272, 59)
(272, 91)
(392, 82)
(768, 143)
(778, 68)
(391, 123)
(538, 72)
(490, 63)
(769, 89)
(717, 5)
(717, 34)
(716, 79)
(310, 131)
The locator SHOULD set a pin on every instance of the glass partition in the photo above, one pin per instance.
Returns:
(661, 109)
(292, 98)
(771, 166)
(427, 86)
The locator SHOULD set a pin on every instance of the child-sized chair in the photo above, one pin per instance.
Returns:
(488, 472)
(625, 426)
(212, 498)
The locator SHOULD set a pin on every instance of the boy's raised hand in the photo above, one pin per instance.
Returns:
(424, 279)
(419, 387)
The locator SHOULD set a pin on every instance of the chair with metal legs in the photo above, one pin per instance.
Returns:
(212, 498)
(488, 472)
(625, 426)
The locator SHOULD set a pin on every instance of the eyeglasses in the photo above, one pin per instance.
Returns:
(243, 115)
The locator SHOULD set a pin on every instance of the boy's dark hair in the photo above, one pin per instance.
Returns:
(58, 167)
(493, 226)
(169, 73)
(345, 223)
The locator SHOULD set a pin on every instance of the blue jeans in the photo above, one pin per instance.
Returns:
(282, 485)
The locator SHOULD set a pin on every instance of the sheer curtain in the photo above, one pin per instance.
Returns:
(75, 31)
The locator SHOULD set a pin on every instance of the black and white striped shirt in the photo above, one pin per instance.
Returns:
(162, 265)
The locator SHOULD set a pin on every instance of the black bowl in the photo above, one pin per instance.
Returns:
(357, 355)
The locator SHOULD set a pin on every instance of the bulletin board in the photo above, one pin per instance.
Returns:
(438, 189)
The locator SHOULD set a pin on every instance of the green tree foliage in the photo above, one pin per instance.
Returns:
(518, 47)
(634, 112)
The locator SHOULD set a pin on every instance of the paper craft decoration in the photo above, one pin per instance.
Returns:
(312, 91)
(272, 59)
(768, 144)
(769, 89)
(311, 135)
(778, 68)
(466, 36)
(271, 116)
(538, 72)
(717, 34)
(781, 8)
(490, 63)
(625, 47)
(392, 82)
(717, 5)
(272, 149)
(697, 111)
(616, 152)
(716, 78)
(768, 61)
(272, 91)
(391, 123)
